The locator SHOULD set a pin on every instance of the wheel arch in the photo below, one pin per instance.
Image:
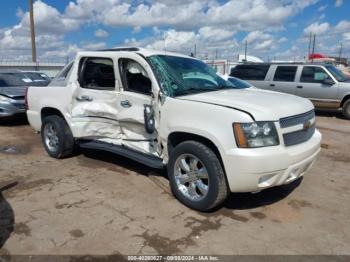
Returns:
(178, 137)
(347, 97)
(50, 111)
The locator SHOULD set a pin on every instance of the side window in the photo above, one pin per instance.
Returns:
(313, 74)
(96, 73)
(285, 73)
(250, 72)
(134, 77)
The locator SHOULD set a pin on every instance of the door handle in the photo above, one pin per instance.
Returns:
(84, 98)
(272, 84)
(125, 103)
(299, 86)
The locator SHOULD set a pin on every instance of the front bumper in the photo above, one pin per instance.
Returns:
(8, 109)
(250, 170)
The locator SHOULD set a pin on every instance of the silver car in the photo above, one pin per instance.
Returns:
(323, 84)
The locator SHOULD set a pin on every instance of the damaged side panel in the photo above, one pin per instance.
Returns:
(115, 115)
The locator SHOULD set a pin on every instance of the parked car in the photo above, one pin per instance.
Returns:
(13, 85)
(323, 84)
(38, 77)
(239, 83)
(174, 111)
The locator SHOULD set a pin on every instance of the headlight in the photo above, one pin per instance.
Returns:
(256, 134)
(4, 99)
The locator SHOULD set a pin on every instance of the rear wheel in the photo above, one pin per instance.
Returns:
(196, 176)
(57, 137)
(346, 109)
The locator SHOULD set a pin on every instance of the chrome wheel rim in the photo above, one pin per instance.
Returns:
(51, 137)
(191, 177)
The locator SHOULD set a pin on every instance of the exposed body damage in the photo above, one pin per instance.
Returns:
(170, 110)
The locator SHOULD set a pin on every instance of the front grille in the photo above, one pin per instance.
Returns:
(298, 137)
(297, 119)
(301, 135)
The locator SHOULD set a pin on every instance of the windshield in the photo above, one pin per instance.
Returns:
(238, 83)
(183, 76)
(37, 76)
(14, 79)
(337, 73)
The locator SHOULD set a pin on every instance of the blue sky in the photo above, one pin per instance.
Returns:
(272, 28)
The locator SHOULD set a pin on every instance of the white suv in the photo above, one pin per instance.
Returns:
(168, 110)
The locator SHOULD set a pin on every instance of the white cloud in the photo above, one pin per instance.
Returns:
(94, 46)
(215, 34)
(342, 27)
(317, 28)
(282, 40)
(255, 36)
(338, 3)
(322, 8)
(210, 24)
(346, 36)
(101, 33)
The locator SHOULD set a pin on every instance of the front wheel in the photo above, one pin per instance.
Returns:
(346, 109)
(57, 137)
(196, 176)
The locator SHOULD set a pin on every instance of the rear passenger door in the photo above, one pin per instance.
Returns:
(311, 85)
(95, 98)
(284, 79)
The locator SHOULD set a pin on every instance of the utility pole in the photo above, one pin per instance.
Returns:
(245, 51)
(313, 48)
(341, 47)
(216, 53)
(32, 30)
(195, 50)
(309, 49)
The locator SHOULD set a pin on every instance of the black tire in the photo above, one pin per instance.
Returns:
(217, 189)
(66, 143)
(346, 109)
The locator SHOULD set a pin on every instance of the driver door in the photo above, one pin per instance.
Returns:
(136, 107)
(312, 86)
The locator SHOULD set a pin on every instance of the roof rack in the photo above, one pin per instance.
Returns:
(118, 49)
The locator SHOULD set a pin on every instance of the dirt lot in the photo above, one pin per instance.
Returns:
(99, 203)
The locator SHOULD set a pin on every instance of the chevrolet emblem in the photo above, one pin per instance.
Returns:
(307, 125)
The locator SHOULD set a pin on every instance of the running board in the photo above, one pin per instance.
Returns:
(148, 160)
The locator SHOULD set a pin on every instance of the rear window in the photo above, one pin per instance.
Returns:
(285, 73)
(250, 72)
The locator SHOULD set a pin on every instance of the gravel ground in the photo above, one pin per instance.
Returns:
(99, 203)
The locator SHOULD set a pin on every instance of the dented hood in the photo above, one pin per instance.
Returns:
(263, 105)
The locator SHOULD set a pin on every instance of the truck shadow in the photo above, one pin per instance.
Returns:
(238, 201)
(7, 216)
(119, 163)
(241, 201)
(17, 120)
(330, 113)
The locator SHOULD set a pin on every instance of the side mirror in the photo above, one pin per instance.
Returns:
(328, 81)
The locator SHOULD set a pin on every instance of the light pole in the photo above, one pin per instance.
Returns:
(32, 30)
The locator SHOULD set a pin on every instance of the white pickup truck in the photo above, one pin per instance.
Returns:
(169, 110)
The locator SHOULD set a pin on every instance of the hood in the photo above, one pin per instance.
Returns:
(263, 105)
(15, 92)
